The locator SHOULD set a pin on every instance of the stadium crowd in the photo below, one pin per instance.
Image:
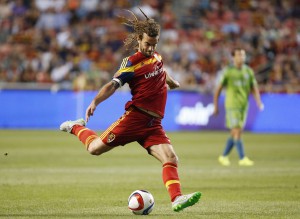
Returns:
(78, 44)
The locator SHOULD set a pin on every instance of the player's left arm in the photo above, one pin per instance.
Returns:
(216, 99)
(255, 92)
(171, 82)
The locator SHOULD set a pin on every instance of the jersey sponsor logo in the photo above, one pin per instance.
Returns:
(195, 115)
(238, 83)
(111, 137)
(241, 83)
(157, 70)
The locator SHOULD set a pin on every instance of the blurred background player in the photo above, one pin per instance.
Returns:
(239, 81)
(148, 81)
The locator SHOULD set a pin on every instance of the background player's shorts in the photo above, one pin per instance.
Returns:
(236, 117)
(135, 125)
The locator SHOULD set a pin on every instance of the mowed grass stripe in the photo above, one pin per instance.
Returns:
(49, 174)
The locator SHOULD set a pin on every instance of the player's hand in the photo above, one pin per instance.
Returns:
(90, 111)
(261, 107)
(216, 111)
(174, 85)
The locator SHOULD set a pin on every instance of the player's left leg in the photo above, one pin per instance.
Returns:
(233, 116)
(166, 155)
(236, 133)
(223, 159)
(77, 128)
(228, 147)
(98, 147)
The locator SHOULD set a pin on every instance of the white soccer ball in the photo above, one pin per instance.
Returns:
(141, 202)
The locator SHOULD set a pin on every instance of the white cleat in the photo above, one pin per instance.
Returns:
(68, 125)
(184, 201)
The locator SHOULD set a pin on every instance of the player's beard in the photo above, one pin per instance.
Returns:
(146, 53)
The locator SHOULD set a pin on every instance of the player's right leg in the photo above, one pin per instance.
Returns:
(184, 201)
(224, 159)
(88, 137)
(167, 156)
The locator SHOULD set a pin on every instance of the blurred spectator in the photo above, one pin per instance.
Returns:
(52, 19)
(78, 43)
(45, 5)
(149, 7)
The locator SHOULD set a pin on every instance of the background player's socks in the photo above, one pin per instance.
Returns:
(229, 146)
(240, 148)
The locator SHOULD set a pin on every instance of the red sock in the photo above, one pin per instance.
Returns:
(171, 179)
(85, 135)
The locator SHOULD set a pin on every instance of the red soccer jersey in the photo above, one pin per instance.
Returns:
(147, 81)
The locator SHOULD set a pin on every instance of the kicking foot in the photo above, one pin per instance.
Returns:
(184, 201)
(68, 125)
(246, 162)
(224, 160)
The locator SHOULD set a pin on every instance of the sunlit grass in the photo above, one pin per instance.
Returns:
(48, 174)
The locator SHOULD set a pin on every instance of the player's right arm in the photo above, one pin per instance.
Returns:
(222, 84)
(105, 92)
(216, 99)
(122, 76)
(171, 82)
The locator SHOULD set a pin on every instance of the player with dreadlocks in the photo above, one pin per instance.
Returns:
(141, 122)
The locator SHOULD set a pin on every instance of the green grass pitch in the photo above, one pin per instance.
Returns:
(48, 174)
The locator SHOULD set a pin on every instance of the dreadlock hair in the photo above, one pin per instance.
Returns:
(148, 26)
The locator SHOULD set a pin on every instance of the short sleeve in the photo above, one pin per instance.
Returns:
(125, 72)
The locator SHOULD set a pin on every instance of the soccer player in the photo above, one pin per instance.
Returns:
(141, 122)
(239, 81)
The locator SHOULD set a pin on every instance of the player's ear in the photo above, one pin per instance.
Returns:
(140, 37)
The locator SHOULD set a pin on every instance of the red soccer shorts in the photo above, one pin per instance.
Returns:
(135, 125)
